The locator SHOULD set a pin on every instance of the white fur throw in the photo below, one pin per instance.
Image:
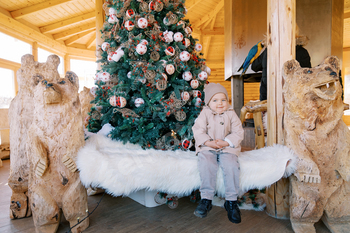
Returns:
(121, 169)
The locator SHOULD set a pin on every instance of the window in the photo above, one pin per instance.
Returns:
(86, 72)
(13, 49)
(42, 57)
(7, 87)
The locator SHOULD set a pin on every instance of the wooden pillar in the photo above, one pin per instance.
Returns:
(281, 48)
(35, 50)
(245, 25)
(100, 18)
(66, 63)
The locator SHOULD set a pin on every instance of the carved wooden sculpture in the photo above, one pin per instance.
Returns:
(56, 135)
(20, 119)
(315, 131)
(85, 98)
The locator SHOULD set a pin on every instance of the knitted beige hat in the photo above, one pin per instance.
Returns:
(211, 89)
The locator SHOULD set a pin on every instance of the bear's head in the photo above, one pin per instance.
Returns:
(313, 95)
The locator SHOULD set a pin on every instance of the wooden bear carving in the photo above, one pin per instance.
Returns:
(20, 117)
(315, 131)
(56, 135)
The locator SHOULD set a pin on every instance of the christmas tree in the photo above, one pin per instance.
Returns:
(150, 86)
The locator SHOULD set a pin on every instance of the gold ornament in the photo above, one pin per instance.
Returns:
(144, 7)
(96, 115)
(158, 6)
(126, 112)
(180, 115)
(161, 85)
(150, 75)
(155, 56)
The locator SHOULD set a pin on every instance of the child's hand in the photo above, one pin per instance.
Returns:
(212, 144)
(221, 143)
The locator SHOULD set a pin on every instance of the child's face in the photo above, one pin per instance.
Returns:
(219, 103)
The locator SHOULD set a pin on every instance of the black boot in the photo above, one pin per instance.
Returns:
(233, 212)
(203, 208)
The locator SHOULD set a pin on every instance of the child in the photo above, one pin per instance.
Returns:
(218, 133)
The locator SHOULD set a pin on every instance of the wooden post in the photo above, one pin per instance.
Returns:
(35, 50)
(66, 63)
(100, 18)
(281, 48)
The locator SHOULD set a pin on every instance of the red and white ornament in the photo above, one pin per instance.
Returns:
(186, 42)
(105, 46)
(187, 75)
(144, 41)
(143, 80)
(178, 36)
(208, 70)
(138, 102)
(151, 5)
(185, 96)
(168, 36)
(196, 94)
(198, 102)
(129, 25)
(141, 49)
(194, 84)
(117, 54)
(111, 11)
(105, 77)
(165, 77)
(109, 57)
(117, 101)
(182, 23)
(203, 75)
(198, 47)
(97, 76)
(170, 69)
(185, 56)
(188, 30)
(112, 18)
(186, 144)
(129, 74)
(130, 13)
(142, 23)
(170, 51)
(93, 90)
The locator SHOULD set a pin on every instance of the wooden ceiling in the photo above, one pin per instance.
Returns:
(72, 22)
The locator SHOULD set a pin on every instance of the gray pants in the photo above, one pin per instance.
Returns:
(208, 165)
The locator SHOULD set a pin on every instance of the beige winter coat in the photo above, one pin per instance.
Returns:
(211, 125)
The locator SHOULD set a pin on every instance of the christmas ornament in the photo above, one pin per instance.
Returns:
(109, 57)
(163, 63)
(197, 93)
(198, 47)
(173, 202)
(170, 69)
(105, 46)
(105, 76)
(126, 112)
(155, 56)
(142, 23)
(178, 37)
(161, 85)
(187, 75)
(194, 84)
(112, 19)
(150, 75)
(143, 80)
(93, 91)
(165, 77)
(182, 23)
(186, 144)
(111, 11)
(143, 41)
(138, 102)
(98, 108)
(168, 36)
(186, 42)
(160, 198)
(170, 51)
(97, 76)
(130, 13)
(141, 49)
(180, 115)
(151, 5)
(203, 75)
(185, 56)
(185, 96)
(117, 54)
(188, 30)
(129, 74)
(117, 101)
(198, 102)
(129, 25)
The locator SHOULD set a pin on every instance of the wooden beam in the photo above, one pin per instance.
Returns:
(346, 49)
(14, 28)
(35, 50)
(214, 32)
(76, 37)
(92, 41)
(210, 15)
(67, 22)
(346, 15)
(206, 46)
(82, 54)
(100, 18)
(74, 31)
(17, 14)
(192, 4)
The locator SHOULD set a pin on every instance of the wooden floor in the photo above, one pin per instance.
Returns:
(125, 215)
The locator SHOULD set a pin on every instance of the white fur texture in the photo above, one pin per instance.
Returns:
(121, 169)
